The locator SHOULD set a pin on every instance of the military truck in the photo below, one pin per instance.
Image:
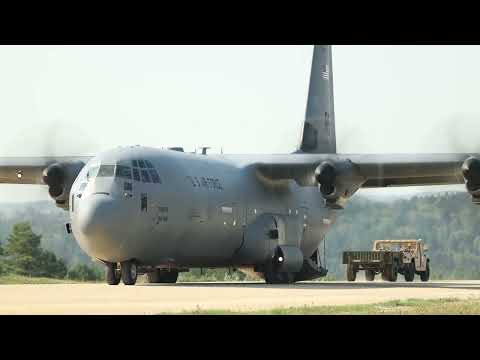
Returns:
(390, 258)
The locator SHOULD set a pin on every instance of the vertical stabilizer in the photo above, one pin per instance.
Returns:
(319, 128)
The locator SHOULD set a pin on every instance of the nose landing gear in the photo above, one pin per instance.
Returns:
(112, 274)
(127, 273)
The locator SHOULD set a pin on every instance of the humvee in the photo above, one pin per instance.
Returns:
(389, 258)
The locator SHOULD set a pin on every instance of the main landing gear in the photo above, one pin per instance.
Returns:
(127, 273)
(160, 276)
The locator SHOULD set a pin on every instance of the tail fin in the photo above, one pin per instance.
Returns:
(319, 128)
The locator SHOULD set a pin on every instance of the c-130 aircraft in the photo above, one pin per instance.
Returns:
(159, 212)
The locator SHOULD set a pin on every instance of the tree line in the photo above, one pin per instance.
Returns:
(23, 255)
(448, 223)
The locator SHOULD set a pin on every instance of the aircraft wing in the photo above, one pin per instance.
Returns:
(371, 171)
(28, 170)
(410, 170)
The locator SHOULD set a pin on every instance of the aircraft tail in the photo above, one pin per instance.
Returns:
(319, 128)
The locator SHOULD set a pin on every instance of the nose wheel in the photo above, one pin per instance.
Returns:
(129, 272)
(112, 273)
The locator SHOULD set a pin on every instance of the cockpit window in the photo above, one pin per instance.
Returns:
(123, 172)
(134, 163)
(145, 176)
(155, 177)
(136, 174)
(149, 164)
(141, 163)
(106, 171)
(92, 172)
(82, 187)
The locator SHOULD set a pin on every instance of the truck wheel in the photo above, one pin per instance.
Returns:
(425, 275)
(369, 275)
(390, 273)
(129, 272)
(410, 272)
(393, 273)
(385, 275)
(351, 273)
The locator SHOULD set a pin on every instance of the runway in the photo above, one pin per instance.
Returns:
(100, 299)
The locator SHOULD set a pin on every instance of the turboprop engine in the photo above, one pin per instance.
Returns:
(59, 177)
(337, 182)
(471, 174)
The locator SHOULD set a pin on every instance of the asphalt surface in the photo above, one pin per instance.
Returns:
(159, 298)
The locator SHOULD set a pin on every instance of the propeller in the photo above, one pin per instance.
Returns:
(326, 175)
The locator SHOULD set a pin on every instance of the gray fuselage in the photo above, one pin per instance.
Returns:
(194, 215)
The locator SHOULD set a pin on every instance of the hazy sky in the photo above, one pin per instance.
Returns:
(75, 100)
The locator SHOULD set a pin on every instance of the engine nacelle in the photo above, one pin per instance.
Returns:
(337, 182)
(471, 174)
(60, 177)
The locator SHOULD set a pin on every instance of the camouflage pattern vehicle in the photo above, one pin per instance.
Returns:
(389, 258)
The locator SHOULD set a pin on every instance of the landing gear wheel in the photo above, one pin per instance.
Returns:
(410, 272)
(425, 275)
(351, 273)
(369, 275)
(112, 275)
(162, 277)
(129, 272)
(272, 277)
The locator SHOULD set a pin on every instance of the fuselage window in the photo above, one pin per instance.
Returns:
(123, 172)
(145, 176)
(136, 175)
(141, 163)
(134, 163)
(155, 177)
(106, 171)
(149, 164)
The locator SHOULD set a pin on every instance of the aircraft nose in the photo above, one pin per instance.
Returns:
(94, 215)
(98, 227)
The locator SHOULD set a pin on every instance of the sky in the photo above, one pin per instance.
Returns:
(79, 100)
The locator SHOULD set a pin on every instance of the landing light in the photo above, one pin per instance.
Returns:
(19, 174)
(280, 259)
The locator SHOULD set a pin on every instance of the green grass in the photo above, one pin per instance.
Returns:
(448, 306)
(18, 279)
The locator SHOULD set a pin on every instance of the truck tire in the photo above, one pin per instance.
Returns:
(410, 272)
(369, 275)
(351, 273)
(390, 273)
(394, 273)
(425, 275)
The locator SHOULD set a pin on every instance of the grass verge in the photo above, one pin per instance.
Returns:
(18, 280)
(448, 306)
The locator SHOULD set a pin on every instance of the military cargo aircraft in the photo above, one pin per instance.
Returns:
(159, 212)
